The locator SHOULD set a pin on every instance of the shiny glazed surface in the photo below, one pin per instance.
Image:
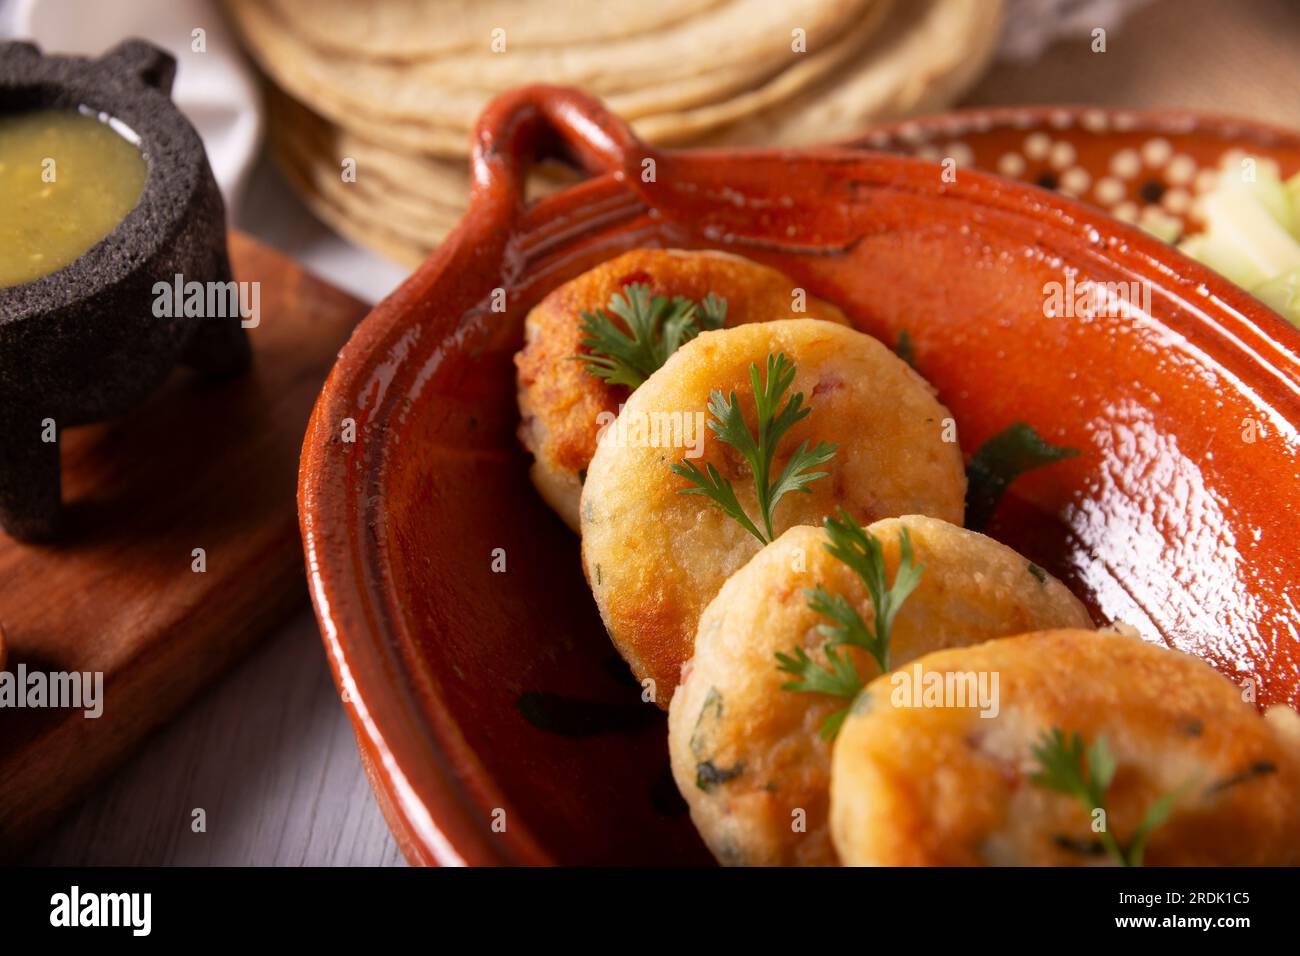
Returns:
(482, 695)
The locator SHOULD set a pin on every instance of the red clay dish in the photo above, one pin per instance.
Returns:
(495, 719)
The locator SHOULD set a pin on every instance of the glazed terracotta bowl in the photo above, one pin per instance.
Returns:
(496, 722)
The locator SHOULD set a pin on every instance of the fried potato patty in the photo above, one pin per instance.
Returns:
(942, 786)
(747, 755)
(655, 557)
(560, 402)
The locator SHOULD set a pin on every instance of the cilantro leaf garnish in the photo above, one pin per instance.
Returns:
(1067, 766)
(653, 328)
(999, 461)
(759, 448)
(864, 554)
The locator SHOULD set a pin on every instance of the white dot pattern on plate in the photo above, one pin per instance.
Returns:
(1075, 181)
(1062, 155)
(1109, 190)
(1156, 151)
(1126, 163)
(1176, 200)
(1126, 211)
(963, 154)
(1095, 121)
(1038, 145)
(1206, 180)
(1149, 182)
(912, 133)
(1157, 219)
(1011, 165)
(1180, 170)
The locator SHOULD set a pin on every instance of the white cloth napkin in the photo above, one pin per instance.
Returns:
(1034, 25)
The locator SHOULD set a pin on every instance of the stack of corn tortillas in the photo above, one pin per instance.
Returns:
(372, 103)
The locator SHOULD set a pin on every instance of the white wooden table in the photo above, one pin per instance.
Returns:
(268, 754)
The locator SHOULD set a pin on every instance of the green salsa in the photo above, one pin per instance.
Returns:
(66, 180)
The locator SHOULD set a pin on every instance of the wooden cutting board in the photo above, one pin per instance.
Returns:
(200, 465)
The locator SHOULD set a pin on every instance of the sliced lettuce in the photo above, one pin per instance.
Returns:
(1252, 237)
(1293, 194)
(1252, 227)
(1223, 256)
(1283, 294)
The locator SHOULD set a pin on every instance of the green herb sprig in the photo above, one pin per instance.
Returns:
(759, 448)
(1086, 772)
(1001, 460)
(864, 554)
(653, 328)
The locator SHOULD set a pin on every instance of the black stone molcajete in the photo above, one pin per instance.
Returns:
(83, 343)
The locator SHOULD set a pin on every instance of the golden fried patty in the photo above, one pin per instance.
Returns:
(747, 755)
(655, 557)
(942, 786)
(560, 402)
